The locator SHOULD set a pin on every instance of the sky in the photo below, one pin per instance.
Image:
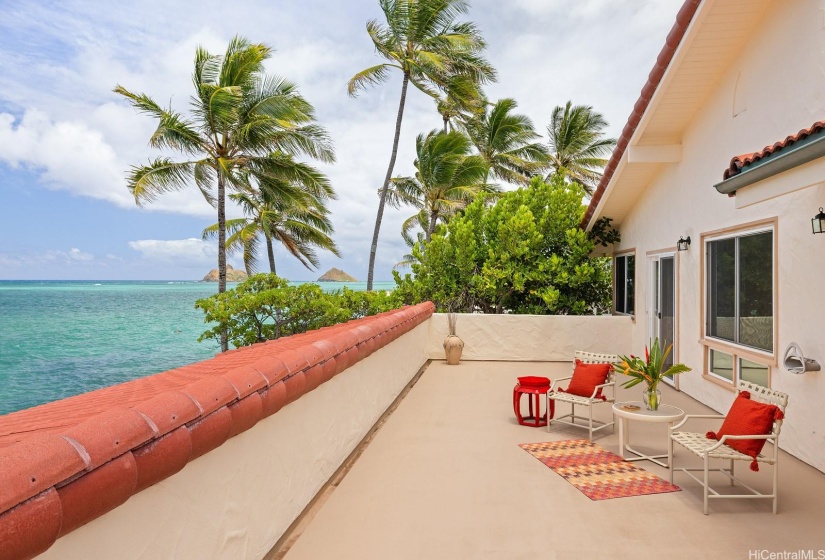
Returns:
(67, 141)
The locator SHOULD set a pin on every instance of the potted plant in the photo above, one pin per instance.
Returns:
(453, 346)
(649, 371)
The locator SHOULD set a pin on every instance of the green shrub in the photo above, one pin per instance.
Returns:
(266, 307)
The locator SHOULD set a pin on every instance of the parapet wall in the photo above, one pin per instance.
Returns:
(532, 338)
(208, 469)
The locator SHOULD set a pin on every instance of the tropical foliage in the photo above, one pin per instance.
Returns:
(243, 126)
(525, 253)
(292, 214)
(650, 370)
(577, 148)
(266, 307)
(433, 51)
(447, 179)
(507, 142)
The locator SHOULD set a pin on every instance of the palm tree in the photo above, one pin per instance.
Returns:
(462, 100)
(242, 124)
(447, 179)
(507, 143)
(292, 212)
(422, 39)
(578, 148)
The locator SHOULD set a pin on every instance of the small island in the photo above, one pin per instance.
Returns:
(336, 275)
(232, 275)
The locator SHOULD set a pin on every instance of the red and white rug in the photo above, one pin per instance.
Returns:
(596, 472)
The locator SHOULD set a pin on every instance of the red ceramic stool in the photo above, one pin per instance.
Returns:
(535, 388)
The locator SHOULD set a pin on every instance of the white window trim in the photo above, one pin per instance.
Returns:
(736, 350)
(625, 254)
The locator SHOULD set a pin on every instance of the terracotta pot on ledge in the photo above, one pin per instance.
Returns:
(453, 345)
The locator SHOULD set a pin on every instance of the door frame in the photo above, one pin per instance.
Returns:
(652, 299)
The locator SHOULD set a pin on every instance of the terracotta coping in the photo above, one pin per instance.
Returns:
(738, 163)
(674, 38)
(65, 463)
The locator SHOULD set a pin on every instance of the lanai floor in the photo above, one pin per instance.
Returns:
(444, 478)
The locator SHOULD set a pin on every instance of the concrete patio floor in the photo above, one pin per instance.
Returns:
(445, 478)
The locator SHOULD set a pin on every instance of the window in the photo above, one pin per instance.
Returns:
(740, 290)
(625, 274)
(739, 306)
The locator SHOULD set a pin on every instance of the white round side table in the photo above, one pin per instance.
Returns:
(624, 410)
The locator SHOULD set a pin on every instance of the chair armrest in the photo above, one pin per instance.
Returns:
(760, 436)
(553, 385)
(692, 416)
(602, 386)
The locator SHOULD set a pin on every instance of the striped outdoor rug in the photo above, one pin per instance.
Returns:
(596, 472)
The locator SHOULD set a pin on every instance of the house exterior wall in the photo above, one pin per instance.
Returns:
(775, 87)
(237, 500)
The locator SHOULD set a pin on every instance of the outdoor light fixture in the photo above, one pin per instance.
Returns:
(818, 222)
(683, 244)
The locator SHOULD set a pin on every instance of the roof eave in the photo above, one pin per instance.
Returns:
(779, 162)
(674, 39)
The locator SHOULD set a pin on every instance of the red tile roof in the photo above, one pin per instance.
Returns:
(68, 462)
(677, 33)
(741, 161)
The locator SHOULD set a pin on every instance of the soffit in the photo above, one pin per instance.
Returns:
(717, 34)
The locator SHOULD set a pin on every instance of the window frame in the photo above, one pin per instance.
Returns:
(616, 257)
(736, 350)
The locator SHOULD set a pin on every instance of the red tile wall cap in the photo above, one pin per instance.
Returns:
(210, 432)
(741, 161)
(246, 413)
(246, 380)
(272, 368)
(51, 484)
(674, 38)
(111, 434)
(35, 465)
(30, 528)
(211, 393)
(168, 411)
(98, 492)
(163, 457)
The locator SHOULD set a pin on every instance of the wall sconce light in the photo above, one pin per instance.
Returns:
(818, 222)
(683, 244)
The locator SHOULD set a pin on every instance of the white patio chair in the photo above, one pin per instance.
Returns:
(570, 419)
(707, 449)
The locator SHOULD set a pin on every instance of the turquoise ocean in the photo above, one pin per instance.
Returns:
(63, 338)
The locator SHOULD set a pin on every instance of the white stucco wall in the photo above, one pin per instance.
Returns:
(236, 501)
(531, 338)
(781, 73)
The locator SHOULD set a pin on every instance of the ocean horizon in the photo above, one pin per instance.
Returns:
(60, 338)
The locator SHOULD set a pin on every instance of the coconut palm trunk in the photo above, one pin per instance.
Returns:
(222, 246)
(383, 200)
(270, 253)
(433, 222)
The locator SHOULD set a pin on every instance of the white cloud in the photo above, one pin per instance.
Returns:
(182, 252)
(76, 135)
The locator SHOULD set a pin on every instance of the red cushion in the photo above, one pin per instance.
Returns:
(748, 417)
(533, 381)
(586, 377)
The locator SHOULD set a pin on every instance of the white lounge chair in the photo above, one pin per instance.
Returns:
(593, 400)
(707, 449)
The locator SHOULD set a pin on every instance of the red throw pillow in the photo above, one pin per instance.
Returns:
(586, 377)
(748, 417)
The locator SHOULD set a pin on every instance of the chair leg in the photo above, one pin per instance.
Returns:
(732, 482)
(547, 407)
(590, 422)
(706, 485)
(670, 457)
(775, 483)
